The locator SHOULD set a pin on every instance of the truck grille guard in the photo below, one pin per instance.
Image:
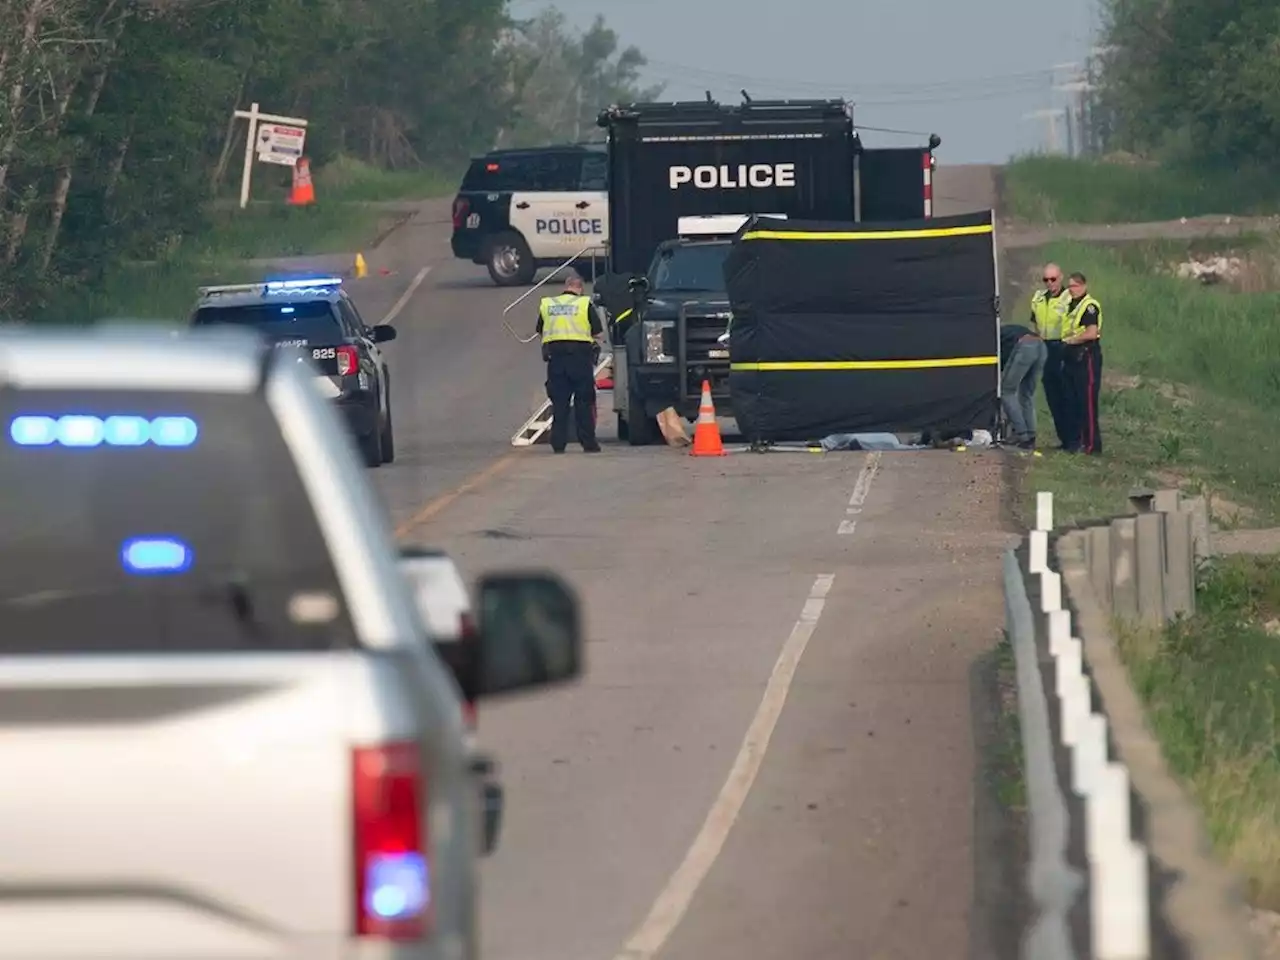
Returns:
(699, 326)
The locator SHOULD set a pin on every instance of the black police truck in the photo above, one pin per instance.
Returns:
(683, 178)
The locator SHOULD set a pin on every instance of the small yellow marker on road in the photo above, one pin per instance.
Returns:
(362, 268)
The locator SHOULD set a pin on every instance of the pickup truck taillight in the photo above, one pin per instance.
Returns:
(393, 898)
(348, 360)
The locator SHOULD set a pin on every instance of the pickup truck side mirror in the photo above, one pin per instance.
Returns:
(530, 632)
(638, 284)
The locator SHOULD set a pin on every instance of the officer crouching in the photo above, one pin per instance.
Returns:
(569, 326)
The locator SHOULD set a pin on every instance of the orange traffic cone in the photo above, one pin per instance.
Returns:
(304, 191)
(706, 435)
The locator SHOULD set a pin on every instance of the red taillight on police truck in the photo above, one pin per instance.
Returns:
(348, 360)
(393, 899)
(461, 208)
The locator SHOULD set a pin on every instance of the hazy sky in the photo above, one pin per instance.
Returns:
(968, 71)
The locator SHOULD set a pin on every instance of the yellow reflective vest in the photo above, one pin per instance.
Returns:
(566, 317)
(1073, 325)
(1050, 314)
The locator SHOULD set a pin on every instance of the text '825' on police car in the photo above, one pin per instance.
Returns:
(520, 210)
(316, 315)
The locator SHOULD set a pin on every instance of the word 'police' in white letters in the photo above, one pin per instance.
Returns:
(728, 177)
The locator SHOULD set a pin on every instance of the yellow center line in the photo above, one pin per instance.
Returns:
(435, 506)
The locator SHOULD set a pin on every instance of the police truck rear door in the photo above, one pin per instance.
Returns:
(896, 184)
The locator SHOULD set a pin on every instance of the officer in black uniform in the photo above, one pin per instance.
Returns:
(570, 326)
(1082, 342)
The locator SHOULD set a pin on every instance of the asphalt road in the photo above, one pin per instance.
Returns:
(773, 753)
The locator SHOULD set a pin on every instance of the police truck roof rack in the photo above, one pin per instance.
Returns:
(700, 120)
(709, 110)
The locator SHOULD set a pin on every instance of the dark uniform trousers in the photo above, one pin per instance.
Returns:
(571, 381)
(1083, 368)
(1057, 393)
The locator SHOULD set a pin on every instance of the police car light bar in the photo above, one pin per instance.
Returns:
(718, 224)
(273, 286)
(303, 283)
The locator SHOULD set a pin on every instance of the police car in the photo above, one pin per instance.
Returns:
(316, 315)
(519, 210)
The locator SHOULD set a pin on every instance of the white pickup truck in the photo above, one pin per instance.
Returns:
(224, 728)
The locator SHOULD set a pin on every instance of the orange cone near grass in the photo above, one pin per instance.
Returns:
(304, 191)
(706, 435)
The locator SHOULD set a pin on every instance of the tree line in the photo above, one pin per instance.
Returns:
(116, 128)
(1192, 82)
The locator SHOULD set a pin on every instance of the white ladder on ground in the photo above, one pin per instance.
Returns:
(536, 427)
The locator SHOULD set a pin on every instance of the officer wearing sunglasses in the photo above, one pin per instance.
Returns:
(1049, 320)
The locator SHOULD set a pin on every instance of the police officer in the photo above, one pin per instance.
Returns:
(569, 326)
(1082, 341)
(1048, 316)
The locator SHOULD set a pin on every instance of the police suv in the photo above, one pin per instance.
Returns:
(520, 210)
(316, 315)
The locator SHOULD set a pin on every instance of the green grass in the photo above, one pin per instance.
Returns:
(1190, 394)
(1006, 759)
(352, 181)
(344, 219)
(1044, 189)
(1211, 685)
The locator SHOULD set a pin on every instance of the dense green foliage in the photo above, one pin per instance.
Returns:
(1049, 189)
(115, 115)
(1194, 82)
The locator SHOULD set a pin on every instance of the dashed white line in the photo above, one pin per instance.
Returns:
(674, 900)
(404, 297)
(861, 488)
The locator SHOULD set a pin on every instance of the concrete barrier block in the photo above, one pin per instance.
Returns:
(1038, 552)
(1166, 501)
(1198, 509)
(1150, 554)
(1099, 562)
(1124, 568)
(1044, 510)
(1179, 571)
(1142, 499)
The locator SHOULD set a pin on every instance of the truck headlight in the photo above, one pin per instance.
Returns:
(654, 332)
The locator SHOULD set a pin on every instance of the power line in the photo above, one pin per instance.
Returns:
(1042, 76)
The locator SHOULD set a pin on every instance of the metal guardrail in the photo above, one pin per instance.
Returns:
(1151, 888)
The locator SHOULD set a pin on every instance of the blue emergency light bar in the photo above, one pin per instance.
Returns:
(302, 283)
(81, 430)
(152, 556)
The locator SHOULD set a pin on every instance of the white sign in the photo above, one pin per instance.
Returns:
(731, 177)
(278, 140)
(280, 143)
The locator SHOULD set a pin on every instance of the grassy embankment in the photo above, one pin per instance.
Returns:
(1125, 190)
(351, 210)
(1190, 399)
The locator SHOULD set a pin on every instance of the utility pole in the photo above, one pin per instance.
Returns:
(1052, 117)
(1075, 89)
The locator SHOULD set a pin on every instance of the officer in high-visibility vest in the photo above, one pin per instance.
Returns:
(569, 326)
(1048, 316)
(1082, 337)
